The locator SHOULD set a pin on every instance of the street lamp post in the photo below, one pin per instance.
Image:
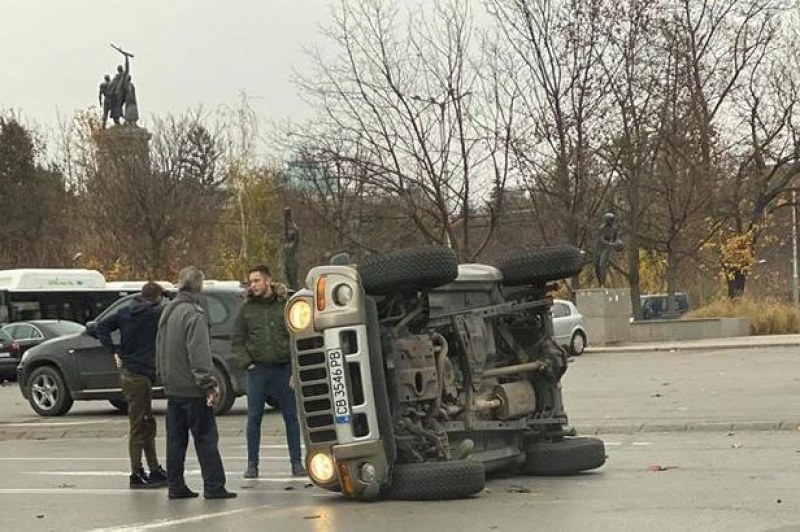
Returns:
(795, 284)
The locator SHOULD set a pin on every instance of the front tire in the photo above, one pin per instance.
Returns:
(429, 481)
(48, 392)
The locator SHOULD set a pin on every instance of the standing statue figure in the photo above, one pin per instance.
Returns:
(292, 241)
(131, 108)
(115, 91)
(107, 99)
(607, 242)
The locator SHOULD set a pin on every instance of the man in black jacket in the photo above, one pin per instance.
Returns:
(136, 360)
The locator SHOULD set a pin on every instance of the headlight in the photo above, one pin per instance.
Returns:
(342, 294)
(299, 315)
(321, 468)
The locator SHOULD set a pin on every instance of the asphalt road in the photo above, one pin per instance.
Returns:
(706, 482)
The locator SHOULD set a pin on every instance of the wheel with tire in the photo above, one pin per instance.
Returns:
(578, 343)
(541, 266)
(437, 480)
(226, 395)
(119, 404)
(409, 269)
(564, 457)
(48, 393)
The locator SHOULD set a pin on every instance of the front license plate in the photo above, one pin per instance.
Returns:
(341, 403)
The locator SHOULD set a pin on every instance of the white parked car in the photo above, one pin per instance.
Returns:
(568, 328)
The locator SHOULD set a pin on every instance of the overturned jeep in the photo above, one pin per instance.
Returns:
(417, 376)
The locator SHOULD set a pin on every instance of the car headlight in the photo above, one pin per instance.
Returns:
(342, 294)
(321, 468)
(299, 315)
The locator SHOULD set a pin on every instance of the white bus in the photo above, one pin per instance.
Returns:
(67, 294)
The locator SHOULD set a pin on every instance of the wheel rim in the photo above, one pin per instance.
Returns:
(578, 343)
(45, 392)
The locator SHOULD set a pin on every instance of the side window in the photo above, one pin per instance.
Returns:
(35, 333)
(217, 312)
(22, 332)
(115, 307)
(560, 310)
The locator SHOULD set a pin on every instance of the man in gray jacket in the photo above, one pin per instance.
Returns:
(183, 357)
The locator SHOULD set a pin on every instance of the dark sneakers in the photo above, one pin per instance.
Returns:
(157, 477)
(139, 480)
(182, 493)
(298, 470)
(221, 494)
(251, 471)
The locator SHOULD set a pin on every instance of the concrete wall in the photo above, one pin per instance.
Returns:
(687, 329)
(606, 314)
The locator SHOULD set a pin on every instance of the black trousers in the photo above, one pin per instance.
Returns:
(191, 414)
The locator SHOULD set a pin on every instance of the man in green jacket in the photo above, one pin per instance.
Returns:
(261, 342)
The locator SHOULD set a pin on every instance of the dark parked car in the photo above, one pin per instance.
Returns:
(654, 306)
(72, 368)
(9, 356)
(32, 333)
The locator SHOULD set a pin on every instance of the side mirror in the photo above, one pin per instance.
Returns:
(91, 328)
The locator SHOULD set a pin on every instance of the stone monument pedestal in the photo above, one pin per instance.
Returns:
(606, 314)
(123, 150)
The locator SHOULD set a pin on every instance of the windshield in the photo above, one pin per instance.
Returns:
(61, 328)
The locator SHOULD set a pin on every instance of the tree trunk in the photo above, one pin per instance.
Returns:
(634, 280)
(736, 283)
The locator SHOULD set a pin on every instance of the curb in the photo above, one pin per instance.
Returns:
(638, 348)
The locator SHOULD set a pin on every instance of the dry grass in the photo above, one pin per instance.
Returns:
(765, 317)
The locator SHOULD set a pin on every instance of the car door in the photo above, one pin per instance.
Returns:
(96, 367)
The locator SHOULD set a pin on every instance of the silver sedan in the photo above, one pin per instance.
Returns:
(568, 328)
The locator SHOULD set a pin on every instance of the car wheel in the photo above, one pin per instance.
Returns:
(119, 404)
(428, 481)
(408, 269)
(578, 343)
(540, 266)
(48, 392)
(568, 456)
(226, 396)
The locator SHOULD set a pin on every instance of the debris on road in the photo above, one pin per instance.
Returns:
(518, 489)
(657, 467)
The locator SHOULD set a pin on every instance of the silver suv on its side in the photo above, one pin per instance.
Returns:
(417, 376)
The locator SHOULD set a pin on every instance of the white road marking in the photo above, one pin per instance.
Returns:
(191, 472)
(613, 443)
(642, 443)
(164, 523)
(57, 424)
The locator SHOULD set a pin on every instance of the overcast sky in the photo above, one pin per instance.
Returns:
(53, 53)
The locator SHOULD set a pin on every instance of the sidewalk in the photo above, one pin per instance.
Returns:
(736, 342)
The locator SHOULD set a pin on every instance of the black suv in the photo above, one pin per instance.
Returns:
(58, 372)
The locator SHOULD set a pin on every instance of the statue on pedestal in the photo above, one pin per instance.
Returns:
(607, 242)
(118, 95)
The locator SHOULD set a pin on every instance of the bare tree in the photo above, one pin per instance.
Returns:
(407, 99)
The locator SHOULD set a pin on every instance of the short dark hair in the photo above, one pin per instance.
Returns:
(152, 291)
(261, 268)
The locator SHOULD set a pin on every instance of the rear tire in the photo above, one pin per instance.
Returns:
(411, 269)
(226, 395)
(48, 392)
(119, 404)
(578, 343)
(564, 457)
(541, 266)
(430, 481)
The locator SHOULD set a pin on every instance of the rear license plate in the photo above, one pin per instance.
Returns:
(341, 403)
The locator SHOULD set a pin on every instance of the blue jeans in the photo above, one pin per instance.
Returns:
(271, 380)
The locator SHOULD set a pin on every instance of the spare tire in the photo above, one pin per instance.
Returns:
(429, 481)
(411, 269)
(564, 457)
(541, 266)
